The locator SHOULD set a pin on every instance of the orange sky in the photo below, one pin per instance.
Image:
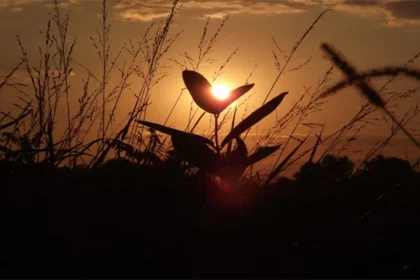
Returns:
(369, 33)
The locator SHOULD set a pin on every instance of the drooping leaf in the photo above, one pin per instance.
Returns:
(172, 131)
(195, 151)
(255, 117)
(201, 92)
(240, 153)
(262, 153)
(282, 164)
(235, 163)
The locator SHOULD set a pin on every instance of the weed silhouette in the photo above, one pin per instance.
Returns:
(124, 203)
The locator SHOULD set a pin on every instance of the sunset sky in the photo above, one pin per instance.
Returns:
(369, 33)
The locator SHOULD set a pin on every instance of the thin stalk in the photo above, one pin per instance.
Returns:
(104, 64)
(294, 49)
(196, 123)
(216, 117)
(402, 128)
(292, 53)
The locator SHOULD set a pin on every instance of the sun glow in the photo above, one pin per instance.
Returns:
(220, 91)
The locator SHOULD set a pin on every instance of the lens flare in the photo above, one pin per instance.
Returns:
(219, 91)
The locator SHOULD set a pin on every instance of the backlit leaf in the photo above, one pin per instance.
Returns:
(233, 96)
(262, 153)
(201, 92)
(195, 151)
(236, 162)
(172, 131)
(254, 117)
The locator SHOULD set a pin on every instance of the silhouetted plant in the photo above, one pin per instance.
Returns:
(203, 152)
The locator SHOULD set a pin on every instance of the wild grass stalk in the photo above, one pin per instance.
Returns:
(205, 47)
(361, 117)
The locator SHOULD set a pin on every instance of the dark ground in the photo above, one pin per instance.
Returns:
(123, 220)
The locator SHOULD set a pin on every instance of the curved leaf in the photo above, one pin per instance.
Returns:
(262, 153)
(240, 154)
(172, 131)
(233, 96)
(200, 90)
(195, 151)
(254, 117)
(236, 162)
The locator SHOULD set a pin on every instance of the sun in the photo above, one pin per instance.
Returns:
(220, 91)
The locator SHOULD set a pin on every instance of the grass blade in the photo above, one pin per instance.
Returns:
(284, 162)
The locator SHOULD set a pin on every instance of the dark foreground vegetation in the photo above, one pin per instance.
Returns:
(101, 198)
(126, 220)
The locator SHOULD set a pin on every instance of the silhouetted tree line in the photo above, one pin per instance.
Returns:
(128, 220)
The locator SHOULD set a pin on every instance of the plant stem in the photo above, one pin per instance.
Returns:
(402, 127)
(196, 123)
(216, 117)
(104, 63)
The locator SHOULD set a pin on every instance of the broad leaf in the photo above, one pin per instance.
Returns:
(172, 131)
(262, 153)
(195, 151)
(254, 117)
(200, 90)
(240, 154)
(233, 96)
(235, 163)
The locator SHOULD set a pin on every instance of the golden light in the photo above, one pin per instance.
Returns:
(220, 91)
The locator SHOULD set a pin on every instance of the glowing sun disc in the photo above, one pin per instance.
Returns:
(219, 91)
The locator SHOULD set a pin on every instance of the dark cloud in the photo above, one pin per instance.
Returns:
(146, 10)
(403, 9)
(364, 3)
(396, 12)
